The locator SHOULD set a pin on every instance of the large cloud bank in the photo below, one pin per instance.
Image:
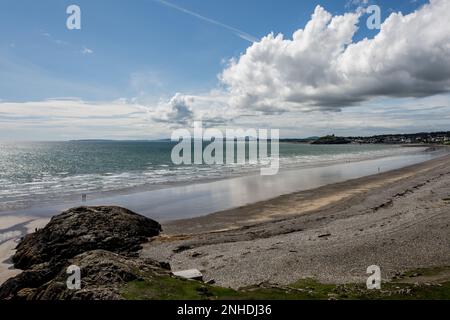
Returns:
(321, 67)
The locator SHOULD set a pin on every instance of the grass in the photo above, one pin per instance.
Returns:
(172, 288)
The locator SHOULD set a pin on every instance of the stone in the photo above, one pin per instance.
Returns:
(102, 241)
(102, 275)
(83, 229)
(191, 274)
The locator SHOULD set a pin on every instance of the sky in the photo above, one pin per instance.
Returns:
(143, 68)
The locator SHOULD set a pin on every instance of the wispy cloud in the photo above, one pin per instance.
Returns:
(86, 51)
(83, 50)
(52, 39)
(239, 33)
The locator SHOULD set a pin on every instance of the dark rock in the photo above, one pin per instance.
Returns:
(196, 254)
(33, 278)
(83, 229)
(325, 235)
(102, 241)
(182, 248)
(102, 275)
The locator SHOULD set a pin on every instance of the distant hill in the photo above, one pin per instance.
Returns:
(441, 137)
(331, 140)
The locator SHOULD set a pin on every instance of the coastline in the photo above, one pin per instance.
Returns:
(295, 203)
(69, 200)
(199, 198)
(243, 223)
(398, 220)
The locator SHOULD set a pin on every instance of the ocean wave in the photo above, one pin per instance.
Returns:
(46, 186)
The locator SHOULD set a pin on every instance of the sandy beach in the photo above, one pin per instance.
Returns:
(398, 220)
(12, 229)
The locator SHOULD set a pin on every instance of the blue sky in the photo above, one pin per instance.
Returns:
(145, 50)
(164, 50)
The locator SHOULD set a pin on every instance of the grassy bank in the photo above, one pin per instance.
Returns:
(433, 283)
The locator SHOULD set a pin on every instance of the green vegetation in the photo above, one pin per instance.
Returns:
(403, 288)
(331, 140)
(171, 288)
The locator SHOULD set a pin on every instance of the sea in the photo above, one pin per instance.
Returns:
(38, 173)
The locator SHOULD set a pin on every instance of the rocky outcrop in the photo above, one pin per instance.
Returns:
(102, 275)
(102, 241)
(83, 229)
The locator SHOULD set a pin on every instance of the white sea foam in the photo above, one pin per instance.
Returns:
(36, 184)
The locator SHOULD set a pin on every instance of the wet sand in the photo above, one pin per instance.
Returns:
(202, 198)
(245, 245)
(12, 229)
(399, 220)
(6, 269)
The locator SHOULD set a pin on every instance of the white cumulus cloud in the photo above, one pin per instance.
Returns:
(322, 67)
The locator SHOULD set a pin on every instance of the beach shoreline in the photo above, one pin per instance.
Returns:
(201, 198)
(314, 199)
(70, 200)
(267, 219)
(398, 220)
